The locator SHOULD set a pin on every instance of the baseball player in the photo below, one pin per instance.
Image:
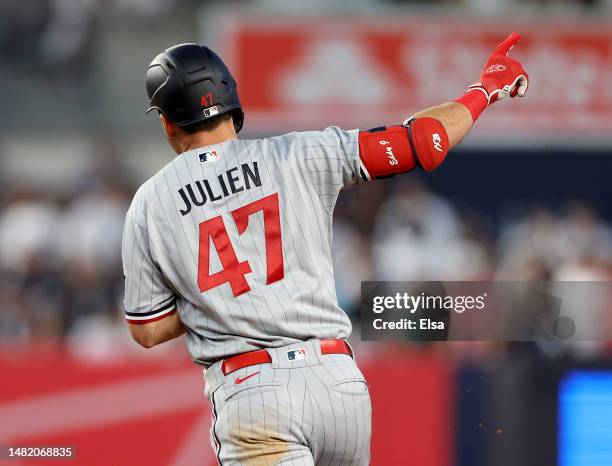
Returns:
(230, 244)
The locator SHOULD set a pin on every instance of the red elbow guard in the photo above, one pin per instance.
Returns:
(385, 152)
(429, 142)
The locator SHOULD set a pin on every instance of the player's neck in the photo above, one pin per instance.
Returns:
(221, 133)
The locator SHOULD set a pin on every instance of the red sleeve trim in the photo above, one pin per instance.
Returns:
(154, 318)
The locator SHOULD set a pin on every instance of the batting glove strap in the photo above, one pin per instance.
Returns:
(502, 76)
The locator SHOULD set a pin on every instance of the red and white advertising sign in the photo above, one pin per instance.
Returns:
(306, 73)
(150, 410)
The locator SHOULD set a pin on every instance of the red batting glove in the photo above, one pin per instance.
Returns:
(502, 76)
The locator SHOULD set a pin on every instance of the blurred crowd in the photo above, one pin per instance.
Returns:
(404, 231)
(55, 33)
(60, 270)
(60, 259)
(60, 264)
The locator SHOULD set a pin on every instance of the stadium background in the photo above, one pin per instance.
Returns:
(526, 197)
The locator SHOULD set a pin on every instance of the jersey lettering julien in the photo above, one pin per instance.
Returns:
(236, 238)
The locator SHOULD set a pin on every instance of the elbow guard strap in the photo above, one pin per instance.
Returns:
(385, 152)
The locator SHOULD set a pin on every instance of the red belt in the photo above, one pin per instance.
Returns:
(262, 356)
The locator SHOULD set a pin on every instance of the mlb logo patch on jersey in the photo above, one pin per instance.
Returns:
(297, 354)
(209, 156)
(210, 111)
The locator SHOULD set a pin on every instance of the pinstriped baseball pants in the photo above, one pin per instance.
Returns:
(311, 411)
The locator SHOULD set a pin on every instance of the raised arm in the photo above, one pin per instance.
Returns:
(431, 133)
(501, 76)
(455, 117)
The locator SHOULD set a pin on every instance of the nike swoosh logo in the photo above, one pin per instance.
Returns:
(239, 380)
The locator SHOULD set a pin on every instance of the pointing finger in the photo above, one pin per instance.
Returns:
(507, 44)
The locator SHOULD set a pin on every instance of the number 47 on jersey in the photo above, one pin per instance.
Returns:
(233, 271)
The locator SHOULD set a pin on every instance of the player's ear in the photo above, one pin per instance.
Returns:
(169, 127)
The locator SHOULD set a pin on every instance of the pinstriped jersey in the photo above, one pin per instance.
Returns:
(236, 238)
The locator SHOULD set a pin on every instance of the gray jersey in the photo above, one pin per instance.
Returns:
(236, 238)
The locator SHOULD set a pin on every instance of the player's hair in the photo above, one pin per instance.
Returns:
(206, 125)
